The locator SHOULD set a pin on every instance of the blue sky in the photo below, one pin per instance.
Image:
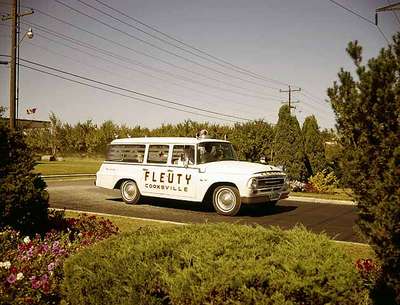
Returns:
(296, 42)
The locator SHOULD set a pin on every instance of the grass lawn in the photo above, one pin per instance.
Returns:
(355, 251)
(340, 194)
(68, 166)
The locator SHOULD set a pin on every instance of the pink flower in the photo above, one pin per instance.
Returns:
(35, 282)
(51, 266)
(11, 278)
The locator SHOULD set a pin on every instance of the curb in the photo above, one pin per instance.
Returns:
(319, 200)
(122, 216)
(68, 176)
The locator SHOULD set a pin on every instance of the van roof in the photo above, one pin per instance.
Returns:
(164, 140)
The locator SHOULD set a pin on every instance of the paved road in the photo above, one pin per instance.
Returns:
(336, 220)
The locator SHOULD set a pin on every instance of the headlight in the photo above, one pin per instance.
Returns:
(252, 184)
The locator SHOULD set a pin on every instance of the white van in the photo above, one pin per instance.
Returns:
(191, 169)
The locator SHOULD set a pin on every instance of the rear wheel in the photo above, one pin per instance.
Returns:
(226, 200)
(130, 192)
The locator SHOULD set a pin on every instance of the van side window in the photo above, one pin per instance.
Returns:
(158, 154)
(126, 153)
(183, 154)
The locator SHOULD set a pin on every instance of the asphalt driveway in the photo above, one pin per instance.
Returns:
(335, 220)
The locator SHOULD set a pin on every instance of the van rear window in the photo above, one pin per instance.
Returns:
(126, 153)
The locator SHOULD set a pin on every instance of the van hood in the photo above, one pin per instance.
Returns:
(237, 167)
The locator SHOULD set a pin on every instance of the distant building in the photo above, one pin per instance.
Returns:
(28, 124)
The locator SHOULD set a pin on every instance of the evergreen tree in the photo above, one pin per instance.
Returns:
(23, 198)
(288, 145)
(368, 120)
(313, 146)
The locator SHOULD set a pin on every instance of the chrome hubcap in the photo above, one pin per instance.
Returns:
(130, 191)
(226, 200)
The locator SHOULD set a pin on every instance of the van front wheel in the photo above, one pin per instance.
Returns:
(130, 192)
(226, 200)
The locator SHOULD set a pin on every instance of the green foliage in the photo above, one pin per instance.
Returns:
(252, 140)
(288, 145)
(323, 182)
(313, 146)
(23, 200)
(213, 264)
(367, 110)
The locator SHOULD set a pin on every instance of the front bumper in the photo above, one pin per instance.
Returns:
(265, 198)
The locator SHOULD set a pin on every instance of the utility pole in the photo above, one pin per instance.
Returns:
(391, 7)
(290, 97)
(13, 16)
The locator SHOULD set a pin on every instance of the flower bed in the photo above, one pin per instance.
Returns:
(31, 268)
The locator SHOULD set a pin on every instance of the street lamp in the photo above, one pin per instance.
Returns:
(28, 33)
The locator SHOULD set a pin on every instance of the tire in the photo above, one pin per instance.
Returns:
(226, 200)
(273, 203)
(130, 192)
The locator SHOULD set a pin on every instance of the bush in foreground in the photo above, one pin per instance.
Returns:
(213, 264)
(367, 107)
(23, 198)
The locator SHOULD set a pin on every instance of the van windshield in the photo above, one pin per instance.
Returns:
(215, 151)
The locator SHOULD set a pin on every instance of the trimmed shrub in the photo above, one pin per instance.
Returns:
(23, 199)
(323, 182)
(213, 264)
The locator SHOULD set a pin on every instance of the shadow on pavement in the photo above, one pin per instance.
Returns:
(265, 210)
(258, 210)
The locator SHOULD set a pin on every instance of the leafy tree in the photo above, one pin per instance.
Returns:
(313, 146)
(367, 108)
(252, 140)
(288, 145)
(23, 199)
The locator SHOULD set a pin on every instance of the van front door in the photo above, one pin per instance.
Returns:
(175, 179)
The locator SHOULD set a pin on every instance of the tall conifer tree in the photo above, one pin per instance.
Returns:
(313, 146)
(288, 145)
(367, 108)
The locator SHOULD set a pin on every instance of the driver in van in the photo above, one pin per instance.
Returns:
(208, 154)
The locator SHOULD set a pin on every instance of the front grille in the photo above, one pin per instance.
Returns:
(270, 183)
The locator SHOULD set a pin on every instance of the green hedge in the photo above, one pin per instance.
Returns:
(213, 264)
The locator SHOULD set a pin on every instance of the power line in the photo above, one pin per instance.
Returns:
(121, 94)
(248, 72)
(191, 46)
(362, 17)
(383, 34)
(353, 12)
(160, 48)
(106, 70)
(126, 59)
(65, 37)
(213, 59)
(133, 91)
(140, 52)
